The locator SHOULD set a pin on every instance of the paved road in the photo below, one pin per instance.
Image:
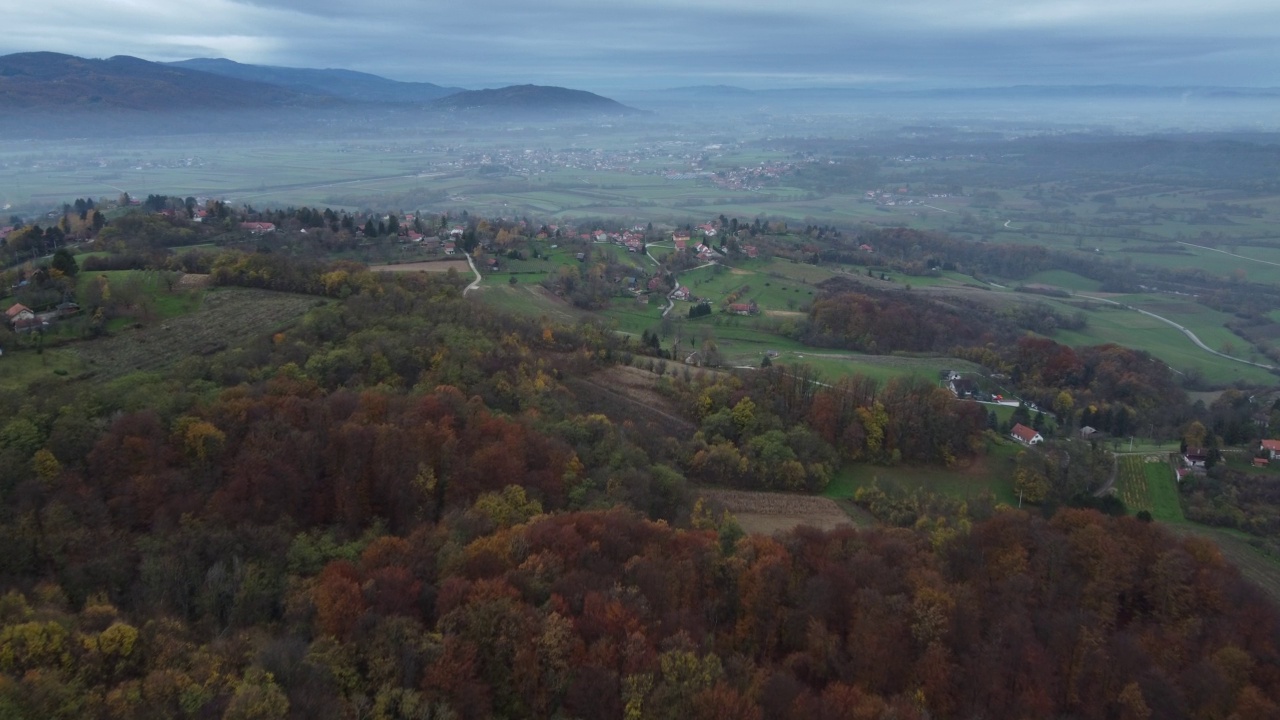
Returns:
(671, 303)
(1224, 252)
(1190, 335)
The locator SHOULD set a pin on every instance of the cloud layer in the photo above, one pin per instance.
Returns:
(664, 43)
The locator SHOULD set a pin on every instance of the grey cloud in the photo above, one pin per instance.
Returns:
(597, 45)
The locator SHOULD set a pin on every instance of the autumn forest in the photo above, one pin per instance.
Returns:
(404, 503)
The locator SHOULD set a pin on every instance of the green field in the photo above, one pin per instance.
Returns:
(991, 472)
(1063, 279)
(1142, 332)
(24, 367)
(1146, 482)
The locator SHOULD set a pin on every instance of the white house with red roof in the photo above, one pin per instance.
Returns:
(17, 313)
(257, 228)
(1271, 448)
(1026, 435)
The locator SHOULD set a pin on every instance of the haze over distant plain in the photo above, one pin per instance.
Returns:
(649, 44)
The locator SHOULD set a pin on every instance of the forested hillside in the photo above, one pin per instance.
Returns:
(398, 507)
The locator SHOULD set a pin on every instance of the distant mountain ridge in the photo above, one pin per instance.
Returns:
(53, 81)
(1030, 92)
(345, 84)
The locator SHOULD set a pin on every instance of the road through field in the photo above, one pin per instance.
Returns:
(1224, 252)
(474, 283)
(1190, 335)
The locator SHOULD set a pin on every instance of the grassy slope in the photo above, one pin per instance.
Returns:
(988, 473)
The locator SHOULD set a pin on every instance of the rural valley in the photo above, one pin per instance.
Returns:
(818, 409)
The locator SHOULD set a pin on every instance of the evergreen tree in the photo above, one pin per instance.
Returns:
(65, 262)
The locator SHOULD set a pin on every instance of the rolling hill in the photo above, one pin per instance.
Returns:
(45, 82)
(53, 81)
(532, 100)
(344, 84)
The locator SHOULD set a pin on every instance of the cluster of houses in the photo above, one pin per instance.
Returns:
(632, 240)
(1195, 460)
(682, 240)
(896, 196)
(751, 178)
(966, 389)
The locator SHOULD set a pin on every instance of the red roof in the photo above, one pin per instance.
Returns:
(1272, 445)
(1023, 433)
(17, 309)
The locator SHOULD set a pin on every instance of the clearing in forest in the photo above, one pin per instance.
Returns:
(426, 266)
(767, 513)
(227, 317)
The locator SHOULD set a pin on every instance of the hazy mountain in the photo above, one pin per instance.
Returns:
(728, 93)
(52, 81)
(344, 84)
(533, 100)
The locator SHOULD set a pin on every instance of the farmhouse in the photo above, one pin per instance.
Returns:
(742, 308)
(18, 313)
(1271, 448)
(258, 228)
(962, 387)
(1196, 457)
(21, 319)
(1026, 435)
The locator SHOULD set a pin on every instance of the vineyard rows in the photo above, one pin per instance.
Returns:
(1146, 482)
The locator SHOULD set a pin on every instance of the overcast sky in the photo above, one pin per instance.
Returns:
(605, 45)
